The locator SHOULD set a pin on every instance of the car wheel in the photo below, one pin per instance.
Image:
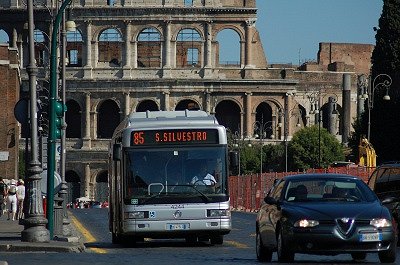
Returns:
(388, 256)
(217, 240)
(358, 256)
(284, 254)
(263, 253)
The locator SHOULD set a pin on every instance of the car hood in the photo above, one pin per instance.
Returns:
(329, 211)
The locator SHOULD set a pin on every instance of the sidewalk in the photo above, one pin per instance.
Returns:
(10, 240)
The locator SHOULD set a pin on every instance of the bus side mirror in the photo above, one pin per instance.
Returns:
(117, 148)
(234, 159)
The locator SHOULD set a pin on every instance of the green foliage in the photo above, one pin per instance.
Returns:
(385, 123)
(313, 147)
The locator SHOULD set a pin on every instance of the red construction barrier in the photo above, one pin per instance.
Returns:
(248, 191)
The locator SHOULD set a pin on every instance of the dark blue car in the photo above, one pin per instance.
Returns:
(325, 214)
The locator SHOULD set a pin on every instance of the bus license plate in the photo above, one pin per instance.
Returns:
(372, 237)
(178, 226)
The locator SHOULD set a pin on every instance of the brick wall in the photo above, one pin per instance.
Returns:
(9, 129)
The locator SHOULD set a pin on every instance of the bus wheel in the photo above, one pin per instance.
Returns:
(217, 240)
(116, 239)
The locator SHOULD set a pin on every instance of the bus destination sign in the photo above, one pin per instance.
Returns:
(174, 137)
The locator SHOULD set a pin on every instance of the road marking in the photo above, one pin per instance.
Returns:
(89, 238)
(236, 244)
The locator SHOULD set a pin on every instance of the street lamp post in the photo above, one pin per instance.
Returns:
(262, 128)
(51, 144)
(34, 223)
(370, 92)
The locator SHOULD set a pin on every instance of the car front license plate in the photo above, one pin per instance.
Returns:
(371, 237)
(178, 226)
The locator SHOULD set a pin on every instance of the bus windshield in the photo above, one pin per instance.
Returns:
(178, 174)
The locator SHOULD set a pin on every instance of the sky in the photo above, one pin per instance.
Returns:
(291, 30)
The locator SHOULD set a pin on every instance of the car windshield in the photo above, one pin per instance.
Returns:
(328, 189)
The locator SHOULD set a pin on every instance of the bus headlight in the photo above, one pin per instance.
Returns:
(218, 213)
(135, 215)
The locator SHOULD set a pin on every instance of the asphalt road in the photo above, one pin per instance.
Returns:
(238, 247)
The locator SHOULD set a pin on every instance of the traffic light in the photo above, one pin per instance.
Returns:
(60, 108)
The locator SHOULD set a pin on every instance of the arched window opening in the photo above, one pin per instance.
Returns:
(187, 104)
(108, 119)
(149, 48)
(41, 50)
(189, 44)
(264, 126)
(227, 113)
(110, 47)
(4, 37)
(74, 48)
(74, 186)
(228, 48)
(73, 120)
(101, 193)
(147, 105)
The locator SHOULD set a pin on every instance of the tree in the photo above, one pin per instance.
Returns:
(385, 123)
(310, 143)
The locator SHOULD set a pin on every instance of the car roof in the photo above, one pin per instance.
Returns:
(319, 176)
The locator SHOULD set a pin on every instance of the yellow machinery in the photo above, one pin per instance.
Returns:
(367, 155)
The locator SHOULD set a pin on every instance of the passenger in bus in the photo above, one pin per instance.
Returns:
(203, 177)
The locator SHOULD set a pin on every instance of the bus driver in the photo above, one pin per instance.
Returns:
(203, 177)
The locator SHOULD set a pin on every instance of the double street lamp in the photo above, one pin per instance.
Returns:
(261, 129)
(380, 81)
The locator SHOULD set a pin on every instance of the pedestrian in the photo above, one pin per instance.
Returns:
(20, 198)
(3, 195)
(12, 200)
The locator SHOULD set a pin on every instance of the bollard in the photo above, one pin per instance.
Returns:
(58, 216)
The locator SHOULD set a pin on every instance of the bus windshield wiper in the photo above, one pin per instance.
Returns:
(205, 197)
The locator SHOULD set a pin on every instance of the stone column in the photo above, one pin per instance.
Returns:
(207, 107)
(248, 45)
(86, 137)
(209, 45)
(249, 129)
(127, 104)
(128, 36)
(88, 67)
(134, 55)
(87, 180)
(166, 100)
(167, 45)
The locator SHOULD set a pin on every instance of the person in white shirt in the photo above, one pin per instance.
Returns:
(203, 177)
(20, 198)
(12, 200)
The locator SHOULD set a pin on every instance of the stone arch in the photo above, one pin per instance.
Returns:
(147, 104)
(228, 113)
(73, 118)
(149, 47)
(108, 118)
(110, 47)
(42, 52)
(224, 44)
(187, 104)
(101, 186)
(74, 185)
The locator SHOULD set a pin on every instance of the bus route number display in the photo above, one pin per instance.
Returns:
(174, 137)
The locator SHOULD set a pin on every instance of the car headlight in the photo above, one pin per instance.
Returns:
(218, 213)
(136, 215)
(306, 223)
(381, 222)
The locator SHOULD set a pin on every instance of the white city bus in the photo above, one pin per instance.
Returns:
(156, 187)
